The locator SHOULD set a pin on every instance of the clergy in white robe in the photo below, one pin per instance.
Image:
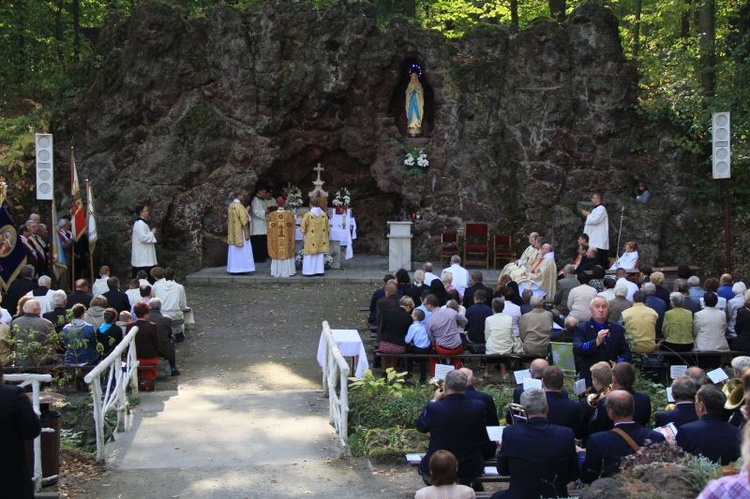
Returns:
(143, 243)
(240, 251)
(172, 295)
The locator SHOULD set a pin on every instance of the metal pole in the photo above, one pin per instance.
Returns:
(727, 228)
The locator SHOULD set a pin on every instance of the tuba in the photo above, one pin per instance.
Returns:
(593, 399)
(734, 390)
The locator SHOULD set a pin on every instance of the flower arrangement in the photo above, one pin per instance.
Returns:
(342, 198)
(294, 197)
(415, 161)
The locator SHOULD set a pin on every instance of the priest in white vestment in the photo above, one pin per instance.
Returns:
(529, 255)
(541, 276)
(240, 251)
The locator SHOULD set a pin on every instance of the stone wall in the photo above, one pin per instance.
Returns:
(520, 125)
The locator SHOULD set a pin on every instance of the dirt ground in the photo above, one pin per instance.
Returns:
(261, 337)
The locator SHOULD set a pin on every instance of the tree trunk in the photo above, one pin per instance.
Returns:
(514, 12)
(637, 28)
(557, 9)
(75, 8)
(685, 20)
(706, 41)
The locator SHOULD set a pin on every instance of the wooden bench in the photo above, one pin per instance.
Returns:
(463, 355)
(492, 477)
(707, 360)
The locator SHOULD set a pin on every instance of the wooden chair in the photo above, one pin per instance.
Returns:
(502, 246)
(448, 245)
(477, 244)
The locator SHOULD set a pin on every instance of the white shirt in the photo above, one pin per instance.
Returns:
(173, 300)
(100, 286)
(460, 277)
(514, 311)
(258, 225)
(626, 261)
(597, 227)
(134, 296)
(429, 277)
(44, 300)
(632, 287)
(143, 245)
(5, 317)
(609, 294)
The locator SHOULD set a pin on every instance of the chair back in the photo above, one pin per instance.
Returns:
(449, 237)
(562, 356)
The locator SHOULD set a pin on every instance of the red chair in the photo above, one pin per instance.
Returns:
(448, 245)
(502, 246)
(477, 244)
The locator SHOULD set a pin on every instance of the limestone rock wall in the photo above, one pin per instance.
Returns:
(520, 125)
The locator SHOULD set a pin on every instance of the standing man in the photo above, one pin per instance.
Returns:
(598, 339)
(460, 274)
(597, 228)
(258, 225)
(539, 457)
(143, 254)
(18, 422)
(240, 252)
(456, 424)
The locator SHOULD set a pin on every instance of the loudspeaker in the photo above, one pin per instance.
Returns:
(45, 172)
(720, 141)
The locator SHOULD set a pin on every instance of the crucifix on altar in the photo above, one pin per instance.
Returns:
(318, 189)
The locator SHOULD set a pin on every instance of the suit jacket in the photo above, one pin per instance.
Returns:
(711, 437)
(16, 290)
(80, 297)
(118, 300)
(682, 414)
(469, 294)
(164, 331)
(614, 348)
(456, 424)
(489, 403)
(476, 315)
(540, 458)
(564, 412)
(18, 422)
(600, 420)
(564, 286)
(605, 449)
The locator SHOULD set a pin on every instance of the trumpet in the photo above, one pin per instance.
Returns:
(734, 390)
(593, 398)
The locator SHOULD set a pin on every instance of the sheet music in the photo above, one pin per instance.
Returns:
(442, 369)
(579, 387)
(717, 375)
(521, 375)
(677, 371)
(532, 383)
(670, 398)
(495, 433)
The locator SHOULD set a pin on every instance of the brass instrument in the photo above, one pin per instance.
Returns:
(593, 398)
(734, 390)
(517, 413)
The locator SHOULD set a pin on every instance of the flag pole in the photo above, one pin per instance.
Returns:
(73, 239)
(91, 252)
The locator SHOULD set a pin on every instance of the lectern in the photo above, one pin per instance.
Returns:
(399, 246)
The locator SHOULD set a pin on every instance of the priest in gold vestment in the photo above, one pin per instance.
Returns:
(240, 253)
(281, 241)
(514, 269)
(541, 276)
(315, 227)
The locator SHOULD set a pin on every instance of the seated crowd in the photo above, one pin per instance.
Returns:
(51, 327)
(607, 320)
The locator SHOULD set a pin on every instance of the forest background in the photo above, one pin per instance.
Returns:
(692, 58)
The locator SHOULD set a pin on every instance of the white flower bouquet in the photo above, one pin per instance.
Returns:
(342, 198)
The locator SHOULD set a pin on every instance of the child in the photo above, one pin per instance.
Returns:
(418, 341)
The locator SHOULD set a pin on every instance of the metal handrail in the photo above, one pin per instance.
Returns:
(336, 374)
(118, 374)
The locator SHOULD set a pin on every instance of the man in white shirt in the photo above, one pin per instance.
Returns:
(597, 228)
(622, 280)
(100, 285)
(173, 300)
(579, 300)
(460, 274)
(428, 275)
(43, 294)
(143, 243)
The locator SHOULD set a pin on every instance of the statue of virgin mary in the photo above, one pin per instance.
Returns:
(414, 102)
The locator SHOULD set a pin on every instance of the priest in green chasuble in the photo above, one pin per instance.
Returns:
(315, 227)
(240, 253)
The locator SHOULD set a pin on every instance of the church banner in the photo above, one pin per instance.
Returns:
(12, 252)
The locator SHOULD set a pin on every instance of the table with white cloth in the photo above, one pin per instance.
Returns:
(351, 346)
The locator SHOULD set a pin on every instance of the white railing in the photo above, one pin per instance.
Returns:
(118, 374)
(34, 380)
(335, 386)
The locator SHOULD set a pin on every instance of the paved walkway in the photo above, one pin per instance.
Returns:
(246, 418)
